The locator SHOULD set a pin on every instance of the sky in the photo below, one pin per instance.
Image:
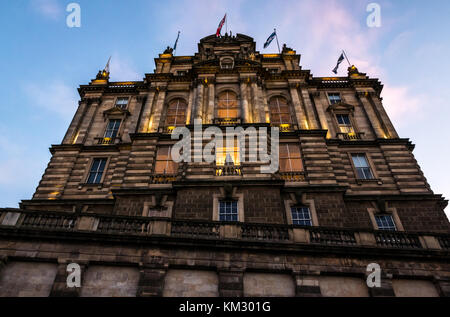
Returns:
(43, 61)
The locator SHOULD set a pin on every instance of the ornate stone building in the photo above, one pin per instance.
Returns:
(348, 192)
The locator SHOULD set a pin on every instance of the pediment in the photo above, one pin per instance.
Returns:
(341, 106)
(116, 111)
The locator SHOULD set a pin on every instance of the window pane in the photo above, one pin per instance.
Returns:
(228, 211)
(385, 222)
(96, 171)
(301, 216)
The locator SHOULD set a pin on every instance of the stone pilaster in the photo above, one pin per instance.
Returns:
(301, 117)
(147, 112)
(60, 288)
(231, 283)
(392, 133)
(313, 124)
(211, 101)
(244, 101)
(374, 121)
(71, 134)
(151, 281)
(159, 108)
(189, 112)
(199, 103)
(321, 113)
(256, 102)
(87, 120)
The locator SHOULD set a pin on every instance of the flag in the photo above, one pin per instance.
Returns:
(176, 42)
(341, 58)
(219, 29)
(270, 39)
(107, 65)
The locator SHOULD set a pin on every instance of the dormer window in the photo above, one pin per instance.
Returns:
(227, 63)
(122, 103)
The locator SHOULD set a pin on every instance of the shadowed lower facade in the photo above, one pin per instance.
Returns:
(348, 192)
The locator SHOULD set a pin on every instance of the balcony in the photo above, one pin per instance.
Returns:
(166, 130)
(17, 222)
(163, 178)
(227, 121)
(293, 177)
(285, 128)
(350, 136)
(228, 170)
(107, 141)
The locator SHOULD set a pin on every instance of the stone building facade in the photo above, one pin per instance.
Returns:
(348, 191)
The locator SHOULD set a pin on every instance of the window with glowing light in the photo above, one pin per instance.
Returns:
(176, 113)
(164, 164)
(345, 125)
(279, 111)
(290, 158)
(228, 155)
(228, 106)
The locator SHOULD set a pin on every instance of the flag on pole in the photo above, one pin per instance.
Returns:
(107, 65)
(176, 42)
(219, 29)
(270, 39)
(341, 58)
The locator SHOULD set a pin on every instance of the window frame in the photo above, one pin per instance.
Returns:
(117, 131)
(302, 170)
(170, 146)
(391, 229)
(280, 113)
(127, 105)
(310, 217)
(309, 203)
(89, 166)
(334, 93)
(369, 163)
(227, 109)
(234, 204)
(169, 104)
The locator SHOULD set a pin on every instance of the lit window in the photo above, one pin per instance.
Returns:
(301, 216)
(228, 155)
(345, 125)
(122, 103)
(279, 111)
(164, 163)
(228, 211)
(96, 172)
(385, 222)
(290, 159)
(176, 113)
(362, 166)
(112, 129)
(228, 107)
(334, 98)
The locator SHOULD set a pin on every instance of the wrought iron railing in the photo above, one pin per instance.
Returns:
(189, 228)
(331, 236)
(106, 141)
(400, 240)
(350, 136)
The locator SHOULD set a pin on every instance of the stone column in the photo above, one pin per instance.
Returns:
(151, 281)
(384, 117)
(60, 288)
(256, 102)
(93, 105)
(136, 104)
(147, 112)
(192, 96)
(260, 106)
(313, 124)
(244, 102)
(211, 101)
(231, 283)
(199, 103)
(375, 123)
(321, 113)
(265, 106)
(306, 285)
(69, 138)
(159, 108)
(300, 114)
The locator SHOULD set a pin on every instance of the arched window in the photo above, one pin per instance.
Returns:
(279, 111)
(176, 113)
(228, 107)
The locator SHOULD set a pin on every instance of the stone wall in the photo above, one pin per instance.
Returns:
(191, 283)
(268, 285)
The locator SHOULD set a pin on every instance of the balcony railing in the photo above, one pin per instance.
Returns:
(227, 121)
(286, 127)
(106, 141)
(397, 240)
(167, 130)
(228, 170)
(164, 178)
(350, 136)
(212, 230)
(293, 176)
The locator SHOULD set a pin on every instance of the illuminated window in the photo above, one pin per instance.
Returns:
(228, 155)
(385, 222)
(345, 125)
(176, 113)
(96, 172)
(164, 163)
(301, 216)
(362, 166)
(122, 103)
(334, 98)
(228, 211)
(112, 129)
(279, 111)
(290, 159)
(228, 107)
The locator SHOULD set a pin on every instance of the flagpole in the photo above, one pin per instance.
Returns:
(226, 22)
(276, 35)
(176, 43)
(349, 64)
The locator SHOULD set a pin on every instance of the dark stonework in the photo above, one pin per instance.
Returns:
(385, 290)
(231, 283)
(151, 281)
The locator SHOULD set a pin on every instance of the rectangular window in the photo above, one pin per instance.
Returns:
(164, 163)
(97, 170)
(301, 216)
(345, 125)
(112, 129)
(228, 211)
(122, 103)
(290, 159)
(334, 98)
(362, 166)
(385, 222)
(228, 155)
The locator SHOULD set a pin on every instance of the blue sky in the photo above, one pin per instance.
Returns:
(42, 62)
